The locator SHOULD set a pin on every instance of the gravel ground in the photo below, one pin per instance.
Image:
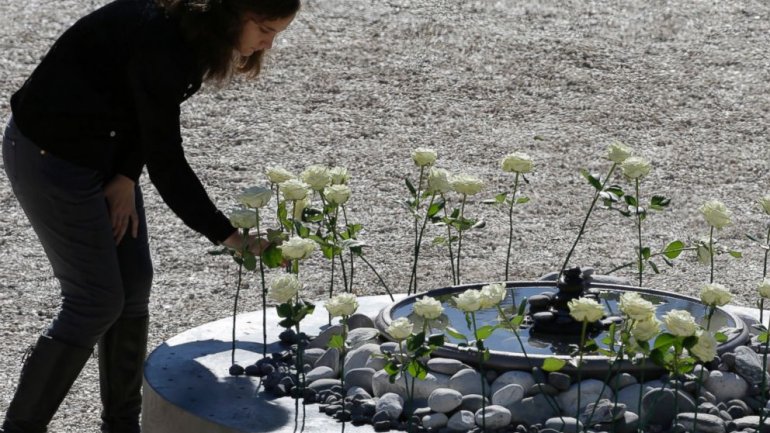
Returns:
(360, 83)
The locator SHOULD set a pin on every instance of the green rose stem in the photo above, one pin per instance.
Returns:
(763, 387)
(580, 364)
(764, 275)
(344, 323)
(677, 353)
(413, 279)
(640, 265)
(387, 289)
(416, 208)
(480, 349)
(409, 391)
(613, 364)
(455, 280)
(350, 251)
(711, 253)
(277, 189)
(641, 389)
(510, 225)
(551, 402)
(264, 295)
(460, 237)
(244, 247)
(585, 220)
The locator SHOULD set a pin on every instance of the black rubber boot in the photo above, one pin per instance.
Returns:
(121, 360)
(46, 377)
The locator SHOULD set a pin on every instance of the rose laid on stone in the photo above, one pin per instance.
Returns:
(468, 301)
(617, 152)
(255, 197)
(680, 323)
(585, 310)
(317, 176)
(400, 328)
(428, 308)
(284, 288)
(297, 248)
(278, 175)
(438, 181)
(422, 156)
(337, 194)
(491, 295)
(243, 218)
(636, 307)
(635, 167)
(466, 184)
(715, 294)
(517, 162)
(294, 189)
(716, 214)
(342, 305)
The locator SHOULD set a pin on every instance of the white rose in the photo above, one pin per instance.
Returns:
(337, 194)
(299, 207)
(400, 328)
(342, 305)
(647, 329)
(716, 213)
(317, 176)
(468, 301)
(492, 294)
(438, 181)
(585, 310)
(636, 307)
(284, 287)
(243, 218)
(517, 162)
(680, 323)
(635, 167)
(294, 189)
(255, 197)
(765, 203)
(339, 175)
(706, 347)
(278, 175)
(618, 152)
(715, 294)
(297, 248)
(764, 288)
(466, 184)
(423, 156)
(428, 307)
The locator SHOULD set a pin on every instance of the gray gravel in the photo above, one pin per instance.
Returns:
(360, 83)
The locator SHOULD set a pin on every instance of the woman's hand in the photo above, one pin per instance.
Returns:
(119, 192)
(255, 244)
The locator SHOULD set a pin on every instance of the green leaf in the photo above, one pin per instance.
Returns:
(415, 341)
(286, 323)
(435, 208)
(690, 341)
(485, 355)
(284, 310)
(436, 340)
(484, 332)
(250, 261)
(439, 240)
(596, 183)
(271, 256)
(336, 342)
(664, 341)
(658, 202)
(653, 266)
(645, 253)
(657, 356)
(455, 334)
(391, 368)
(500, 198)
(590, 346)
(631, 202)
(516, 321)
(417, 370)
(673, 249)
(553, 364)
(411, 188)
(609, 198)
(720, 337)
(736, 254)
(522, 200)
(753, 238)
(763, 337)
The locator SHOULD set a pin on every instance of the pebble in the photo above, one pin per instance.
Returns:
(331, 359)
(523, 378)
(359, 320)
(435, 420)
(320, 373)
(360, 336)
(508, 395)
(560, 381)
(472, 402)
(467, 381)
(748, 364)
(565, 424)
(461, 421)
(590, 390)
(391, 404)
(444, 400)
(322, 340)
(532, 410)
(658, 406)
(493, 417)
(361, 377)
(357, 358)
(706, 423)
(726, 385)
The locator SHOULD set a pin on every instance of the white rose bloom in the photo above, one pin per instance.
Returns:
(585, 310)
(294, 189)
(438, 181)
(492, 294)
(284, 288)
(278, 175)
(342, 305)
(764, 288)
(636, 307)
(423, 156)
(765, 203)
(298, 207)
(243, 218)
(716, 213)
(635, 167)
(517, 162)
(255, 197)
(618, 152)
(400, 328)
(317, 176)
(339, 175)
(297, 248)
(715, 294)
(468, 301)
(337, 194)
(680, 323)
(428, 307)
(647, 329)
(706, 347)
(467, 184)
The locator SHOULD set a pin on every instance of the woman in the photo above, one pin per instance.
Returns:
(102, 104)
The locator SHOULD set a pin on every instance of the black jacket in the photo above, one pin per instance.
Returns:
(107, 96)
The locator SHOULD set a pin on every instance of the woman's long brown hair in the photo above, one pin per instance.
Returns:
(214, 26)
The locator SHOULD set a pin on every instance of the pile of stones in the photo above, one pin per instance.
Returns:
(449, 399)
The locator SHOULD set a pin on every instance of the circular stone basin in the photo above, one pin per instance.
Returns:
(506, 351)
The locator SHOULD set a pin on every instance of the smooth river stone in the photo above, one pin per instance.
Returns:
(706, 423)
(357, 358)
(726, 385)
(444, 400)
(658, 406)
(508, 395)
(461, 421)
(467, 381)
(590, 390)
(523, 378)
(446, 365)
(748, 364)
(392, 404)
(494, 417)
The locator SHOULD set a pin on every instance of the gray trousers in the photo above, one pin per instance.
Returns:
(65, 204)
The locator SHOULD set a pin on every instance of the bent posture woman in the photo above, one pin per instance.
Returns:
(102, 104)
